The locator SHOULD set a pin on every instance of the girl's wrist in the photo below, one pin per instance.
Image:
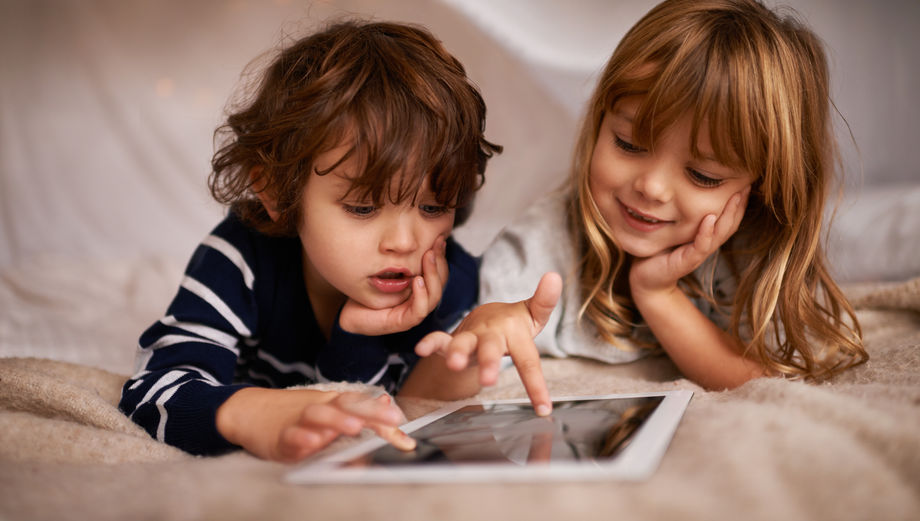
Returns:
(654, 298)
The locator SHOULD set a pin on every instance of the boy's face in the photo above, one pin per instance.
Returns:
(654, 201)
(361, 251)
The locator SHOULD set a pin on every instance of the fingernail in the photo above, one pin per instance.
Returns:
(420, 282)
(405, 441)
(544, 410)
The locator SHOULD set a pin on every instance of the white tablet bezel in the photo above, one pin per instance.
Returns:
(637, 461)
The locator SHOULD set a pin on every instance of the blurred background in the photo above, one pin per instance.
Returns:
(108, 109)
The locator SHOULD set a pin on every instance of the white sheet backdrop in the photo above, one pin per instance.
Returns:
(108, 108)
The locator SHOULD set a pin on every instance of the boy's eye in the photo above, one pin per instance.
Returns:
(627, 146)
(433, 210)
(702, 179)
(360, 210)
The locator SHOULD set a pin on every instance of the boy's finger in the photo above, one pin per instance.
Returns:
(527, 361)
(434, 282)
(296, 443)
(441, 260)
(419, 300)
(372, 410)
(544, 299)
(490, 351)
(394, 436)
(330, 416)
(434, 342)
(460, 349)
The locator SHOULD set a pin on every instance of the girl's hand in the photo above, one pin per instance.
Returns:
(494, 330)
(661, 272)
(290, 424)
(426, 294)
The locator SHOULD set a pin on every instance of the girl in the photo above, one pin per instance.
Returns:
(693, 215)
(344, 175)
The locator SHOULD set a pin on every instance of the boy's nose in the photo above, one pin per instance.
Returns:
(398, 235)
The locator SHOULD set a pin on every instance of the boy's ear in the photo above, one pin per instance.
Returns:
(259, 187)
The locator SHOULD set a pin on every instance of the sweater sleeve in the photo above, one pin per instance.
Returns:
(186, 361)
(537, 242)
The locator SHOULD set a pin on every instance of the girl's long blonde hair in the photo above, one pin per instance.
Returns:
(759, 82)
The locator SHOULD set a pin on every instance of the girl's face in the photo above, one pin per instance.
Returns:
(355, 249)
(655, 201)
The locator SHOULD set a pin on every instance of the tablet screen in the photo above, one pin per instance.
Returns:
(577, 430)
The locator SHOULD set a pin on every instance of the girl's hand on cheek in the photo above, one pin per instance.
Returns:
(426, 294)
(661, 272)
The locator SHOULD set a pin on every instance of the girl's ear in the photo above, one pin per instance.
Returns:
(260, 188)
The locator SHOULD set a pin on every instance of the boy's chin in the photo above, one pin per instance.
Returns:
(381, 302)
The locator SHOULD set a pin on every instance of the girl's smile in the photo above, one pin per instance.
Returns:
(641, 221)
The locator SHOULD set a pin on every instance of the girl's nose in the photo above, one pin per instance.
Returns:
(398, 234)
(655, 183)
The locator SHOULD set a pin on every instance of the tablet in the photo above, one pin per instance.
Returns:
(617, 436)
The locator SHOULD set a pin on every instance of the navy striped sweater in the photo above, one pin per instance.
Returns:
(242, 317)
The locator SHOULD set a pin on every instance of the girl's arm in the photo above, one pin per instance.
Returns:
(701, 350)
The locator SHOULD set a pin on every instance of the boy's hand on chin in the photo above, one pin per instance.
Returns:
(426, 294)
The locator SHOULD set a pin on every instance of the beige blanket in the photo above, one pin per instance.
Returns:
(771, 449)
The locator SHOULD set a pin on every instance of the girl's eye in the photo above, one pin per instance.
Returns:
(360, 210)
(703, 180)
(433, 210)
(627, 146)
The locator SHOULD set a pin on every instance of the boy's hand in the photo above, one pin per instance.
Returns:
(494, 330)
(290, 424)
(426, 294)
(661, 272)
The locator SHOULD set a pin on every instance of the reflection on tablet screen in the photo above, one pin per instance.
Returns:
(513, 433)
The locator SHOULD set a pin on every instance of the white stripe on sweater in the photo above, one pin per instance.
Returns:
(233, 255)
(298, 367)
(208, 295)
(165, 380)
(168, 340)
(200, 329)
(161, 407)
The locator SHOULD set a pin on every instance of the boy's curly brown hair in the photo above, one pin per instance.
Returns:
(391, 91)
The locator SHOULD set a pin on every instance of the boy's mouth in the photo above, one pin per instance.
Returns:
(391, 275)
(392, 280)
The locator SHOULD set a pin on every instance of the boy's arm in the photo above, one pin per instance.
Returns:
(291, 424)
(187, 359)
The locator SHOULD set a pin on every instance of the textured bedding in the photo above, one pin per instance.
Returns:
(108, 112)
(771, 449)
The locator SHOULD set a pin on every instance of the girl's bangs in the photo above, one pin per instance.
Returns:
(703, 86)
